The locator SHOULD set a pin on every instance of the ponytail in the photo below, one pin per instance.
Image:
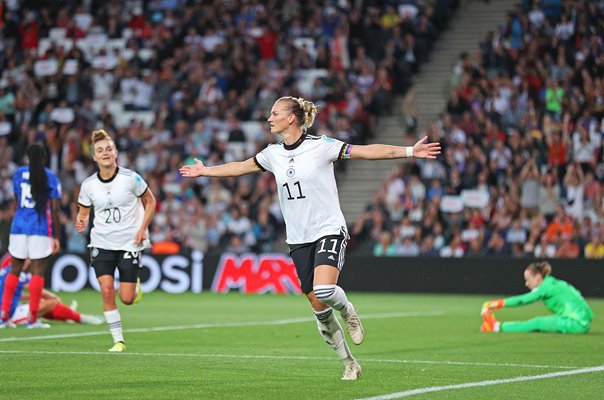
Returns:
(542, 268)
(304, 110)
(37, 177)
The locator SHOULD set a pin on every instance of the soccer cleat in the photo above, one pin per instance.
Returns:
(91, 319)
(139, 289)
(352, 371)
(37, 325)
(491, 305)
(118, 347)
(489, 323)
(354, 326)
(7, 325)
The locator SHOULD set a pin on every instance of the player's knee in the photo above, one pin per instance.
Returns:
(325, 293)
(108, 292)
(127, 300)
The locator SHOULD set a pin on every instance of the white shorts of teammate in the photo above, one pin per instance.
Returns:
(35, 247)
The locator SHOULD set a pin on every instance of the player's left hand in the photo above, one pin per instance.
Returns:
(491, 305)
(421, 149)
(193, 170)
(140, 236)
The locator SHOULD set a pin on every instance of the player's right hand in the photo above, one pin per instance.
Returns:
(192, 171)
(56, 246)
(491, 305)
(80, 225)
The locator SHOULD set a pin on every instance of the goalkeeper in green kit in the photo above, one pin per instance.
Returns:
(572, 314)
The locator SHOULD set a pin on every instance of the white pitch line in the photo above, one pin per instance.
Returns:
(475, 364)
(219, 325)
(431, 389)
(250, 356)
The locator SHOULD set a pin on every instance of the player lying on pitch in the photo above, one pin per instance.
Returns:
(51, 307)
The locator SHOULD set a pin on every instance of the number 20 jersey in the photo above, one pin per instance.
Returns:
(308, 194)
(118, 210)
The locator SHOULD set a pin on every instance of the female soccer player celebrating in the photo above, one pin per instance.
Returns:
(34, 232)
(572, 314)
(308, 196)
(123, 209)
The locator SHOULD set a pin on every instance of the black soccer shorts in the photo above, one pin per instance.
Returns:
(104, 262)
(328, 250)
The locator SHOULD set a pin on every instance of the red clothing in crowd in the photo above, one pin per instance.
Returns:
(30, 35)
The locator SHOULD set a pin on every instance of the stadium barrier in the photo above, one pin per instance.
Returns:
(275, 273)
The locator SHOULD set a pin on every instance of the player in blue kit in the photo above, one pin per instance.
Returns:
(34, 232)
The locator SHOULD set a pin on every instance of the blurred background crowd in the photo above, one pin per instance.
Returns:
(171, 79)
(522, 135)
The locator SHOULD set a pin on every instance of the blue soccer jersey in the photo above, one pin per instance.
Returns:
(26, 220)
(23, 280)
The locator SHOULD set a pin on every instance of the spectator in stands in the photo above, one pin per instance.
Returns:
(316, 229)
(385, 246)
(595, 248)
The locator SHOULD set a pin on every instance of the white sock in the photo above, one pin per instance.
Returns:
(114, 321)
(331, 330)
(335, 297)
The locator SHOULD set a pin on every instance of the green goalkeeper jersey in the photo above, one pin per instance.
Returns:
(559, 297)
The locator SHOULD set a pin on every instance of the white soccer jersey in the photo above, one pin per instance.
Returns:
(118, 209)
(308, 194)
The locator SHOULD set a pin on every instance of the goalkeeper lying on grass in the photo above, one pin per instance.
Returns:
(572, 314)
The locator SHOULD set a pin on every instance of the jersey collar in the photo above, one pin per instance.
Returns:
(296, 144)
(110, 179)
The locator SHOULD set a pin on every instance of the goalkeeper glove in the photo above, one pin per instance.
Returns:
(491, 305)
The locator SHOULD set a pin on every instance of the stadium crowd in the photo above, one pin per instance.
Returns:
(172, 78)
(523, 167)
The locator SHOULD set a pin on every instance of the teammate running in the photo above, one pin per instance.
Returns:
(123, 209)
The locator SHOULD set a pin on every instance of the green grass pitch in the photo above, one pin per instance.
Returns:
(235, 346)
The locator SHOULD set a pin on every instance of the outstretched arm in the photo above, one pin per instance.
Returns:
(514, 301)
(219, 171)
(421, 149)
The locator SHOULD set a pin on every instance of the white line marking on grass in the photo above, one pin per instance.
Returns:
(250, 356)
(431, 389)
(219, 325)
(475, 364)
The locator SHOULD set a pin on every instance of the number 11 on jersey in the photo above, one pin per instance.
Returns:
(289, 193)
